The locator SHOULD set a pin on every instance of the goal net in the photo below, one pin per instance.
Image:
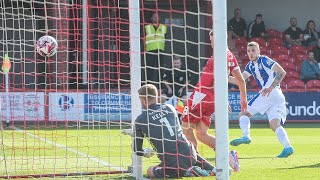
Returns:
(63, 115)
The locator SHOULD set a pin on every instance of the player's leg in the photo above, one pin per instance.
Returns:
(277, 118)
(203, 163)
(187, 130)
(164, 170)
(258, 104)
(244, 123)
(150, 171)
(202, 133)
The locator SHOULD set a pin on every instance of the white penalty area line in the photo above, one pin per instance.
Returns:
(72, 150)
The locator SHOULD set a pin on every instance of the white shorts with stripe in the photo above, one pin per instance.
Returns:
(274, 105)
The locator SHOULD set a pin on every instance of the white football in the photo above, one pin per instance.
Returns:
(47, 46)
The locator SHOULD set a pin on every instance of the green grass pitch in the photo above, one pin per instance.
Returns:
(88, 149)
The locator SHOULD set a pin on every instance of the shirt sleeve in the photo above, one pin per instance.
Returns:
(268, 62)
(138, 137)
(206, 78)
(232, 61)
(247, 69)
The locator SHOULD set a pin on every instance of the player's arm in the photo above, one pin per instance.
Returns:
(242, 87)
(138, 140)
(241, 84)
(280, 74)
(233, 80)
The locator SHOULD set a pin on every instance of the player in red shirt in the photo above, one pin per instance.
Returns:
(197, 113)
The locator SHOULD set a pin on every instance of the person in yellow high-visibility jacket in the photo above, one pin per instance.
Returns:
(154, 45)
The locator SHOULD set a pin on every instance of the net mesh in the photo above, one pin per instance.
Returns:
(65, 113)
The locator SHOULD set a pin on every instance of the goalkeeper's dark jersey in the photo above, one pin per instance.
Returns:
(161, 125)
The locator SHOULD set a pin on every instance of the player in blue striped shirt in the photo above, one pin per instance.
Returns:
(268, 74)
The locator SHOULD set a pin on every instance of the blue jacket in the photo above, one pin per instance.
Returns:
(309, 70)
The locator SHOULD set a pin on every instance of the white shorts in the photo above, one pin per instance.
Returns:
(274, 105)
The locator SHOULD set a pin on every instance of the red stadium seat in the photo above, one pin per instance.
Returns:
(310, 48)
(297, 50)
(265, 50)
(295, 84)
(283, 84)
(313, 84)
(282, 57)
(298, 66)
(288, 66)
(279, 50)
(245, 62)
(275, 41)
(288, 79)
(242, 47)
(266, 53)
(259, 40)
(240, 41)
(243, 55)
(298, 58)
(292, 75)
(273, 33)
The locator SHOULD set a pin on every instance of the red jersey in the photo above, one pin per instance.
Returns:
(205, 84)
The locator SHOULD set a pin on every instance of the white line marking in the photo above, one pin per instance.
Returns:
(73, 150)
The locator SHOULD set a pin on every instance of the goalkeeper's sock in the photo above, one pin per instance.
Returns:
(245, 125)
(283, 137)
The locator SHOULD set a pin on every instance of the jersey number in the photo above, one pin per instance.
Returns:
(165, 121)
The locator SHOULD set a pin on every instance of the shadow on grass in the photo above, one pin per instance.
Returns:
(307, 166)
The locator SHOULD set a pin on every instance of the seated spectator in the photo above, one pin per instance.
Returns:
(256, 28)
(309, 68)
(293, 35)
(237, 26)
(316, 51)
(175, 81)
(310, 34)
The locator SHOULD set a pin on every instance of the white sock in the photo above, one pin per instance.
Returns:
(282, 137)
(244, 123)
(214, 170)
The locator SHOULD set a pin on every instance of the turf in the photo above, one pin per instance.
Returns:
(88, 149)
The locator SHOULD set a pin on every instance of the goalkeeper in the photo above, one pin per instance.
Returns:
(159, 122)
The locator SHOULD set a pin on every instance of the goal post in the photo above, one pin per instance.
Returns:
(135, 58)
(219, 15)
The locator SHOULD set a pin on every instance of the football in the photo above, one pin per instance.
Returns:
(46, 46)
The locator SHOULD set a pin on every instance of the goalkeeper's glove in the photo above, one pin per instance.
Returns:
(148, 152)
(128, 132)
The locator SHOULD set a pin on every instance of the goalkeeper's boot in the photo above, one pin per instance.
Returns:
(234, 161)
(242, 140)
(197, 171)
(286, 152)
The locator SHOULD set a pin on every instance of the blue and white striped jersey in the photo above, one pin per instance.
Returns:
(262, 71)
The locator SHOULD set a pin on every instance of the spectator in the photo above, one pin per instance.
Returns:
(237, 25)
(316, 51)
(310, 34)
(309, 68)
(293, 35)
(155, 43)
(256, 28)
(175, 81)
